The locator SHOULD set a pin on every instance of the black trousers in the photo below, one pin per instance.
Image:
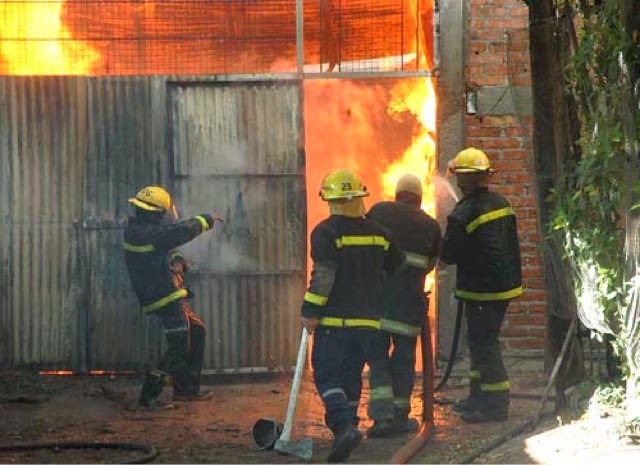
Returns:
(484, 320)
(338, 357)
(182, 360)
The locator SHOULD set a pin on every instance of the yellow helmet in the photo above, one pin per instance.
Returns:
(152, 198)
(342, 184)
(470, 160)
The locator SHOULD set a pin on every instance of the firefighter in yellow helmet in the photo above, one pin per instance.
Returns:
(404, 307)
(156, 272)
(482, 240)
(351, 255)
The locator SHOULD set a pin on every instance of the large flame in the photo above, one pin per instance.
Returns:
(34, 40)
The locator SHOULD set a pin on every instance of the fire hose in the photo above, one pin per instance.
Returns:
(150, 452)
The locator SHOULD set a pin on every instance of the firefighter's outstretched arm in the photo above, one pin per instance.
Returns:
(174, 235)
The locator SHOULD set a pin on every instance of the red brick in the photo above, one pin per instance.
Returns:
(531, 273)
(536, 281)
(534, 261)
(498, 47)
(519, 35)
(508, 3)
(534, 295)
(486, 34)
(538, 309)
(482, 131)
(508, 165)
(476, 24)
(502, 121)
(518, 178)
(508, 331)
(534, 237)
(477, 47)
(523, 202)
(491, 69)
(502, 143)
(538, 332)
(505, 23)
(518, 132)
(521, 81)
(525, 343)
(474, 69)
(491, 11)
(492, 80)
(487, 59)
(519, 10)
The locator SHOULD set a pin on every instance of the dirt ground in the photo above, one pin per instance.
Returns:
(35, 408)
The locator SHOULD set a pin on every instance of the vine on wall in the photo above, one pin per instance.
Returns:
(590, 201)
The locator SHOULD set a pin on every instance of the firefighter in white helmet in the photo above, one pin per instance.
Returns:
(350, 254)
(404, 306)
(482, 240)
(156, 272)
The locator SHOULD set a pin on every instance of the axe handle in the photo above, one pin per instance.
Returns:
(297, 379)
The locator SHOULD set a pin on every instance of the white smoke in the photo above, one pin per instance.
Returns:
(214, 187)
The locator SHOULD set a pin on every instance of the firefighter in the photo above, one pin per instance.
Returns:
(350, 254)
(481, 238)
(403, 304)
(156, 272)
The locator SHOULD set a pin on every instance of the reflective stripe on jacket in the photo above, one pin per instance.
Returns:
(482, 240)
(350, 258)
(147, 246)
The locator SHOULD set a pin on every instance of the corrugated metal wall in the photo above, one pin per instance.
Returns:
(237, 150)
(43, 129)
(72, 150)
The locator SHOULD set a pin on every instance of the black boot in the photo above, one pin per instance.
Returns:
(382, 429)
(471, 402)
(494, 407)
(344, 444)
(154, 382)
(406, 424)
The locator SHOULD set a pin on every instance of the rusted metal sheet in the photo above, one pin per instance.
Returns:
(237, 149)
(74, 149)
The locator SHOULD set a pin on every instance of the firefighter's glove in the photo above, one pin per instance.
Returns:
(451, 168)
(310, 323)
(212, 219)
(190, 294)
(177, 263)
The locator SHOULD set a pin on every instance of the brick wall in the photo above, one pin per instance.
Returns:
(498, 73)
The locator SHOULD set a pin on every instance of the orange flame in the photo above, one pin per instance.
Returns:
(34, 41)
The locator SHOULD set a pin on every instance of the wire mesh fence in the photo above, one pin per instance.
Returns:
(203, 37)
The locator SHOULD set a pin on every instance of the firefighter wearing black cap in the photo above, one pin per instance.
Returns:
(482, 240)
(351, 254)
(403, 304)
(156, 272)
